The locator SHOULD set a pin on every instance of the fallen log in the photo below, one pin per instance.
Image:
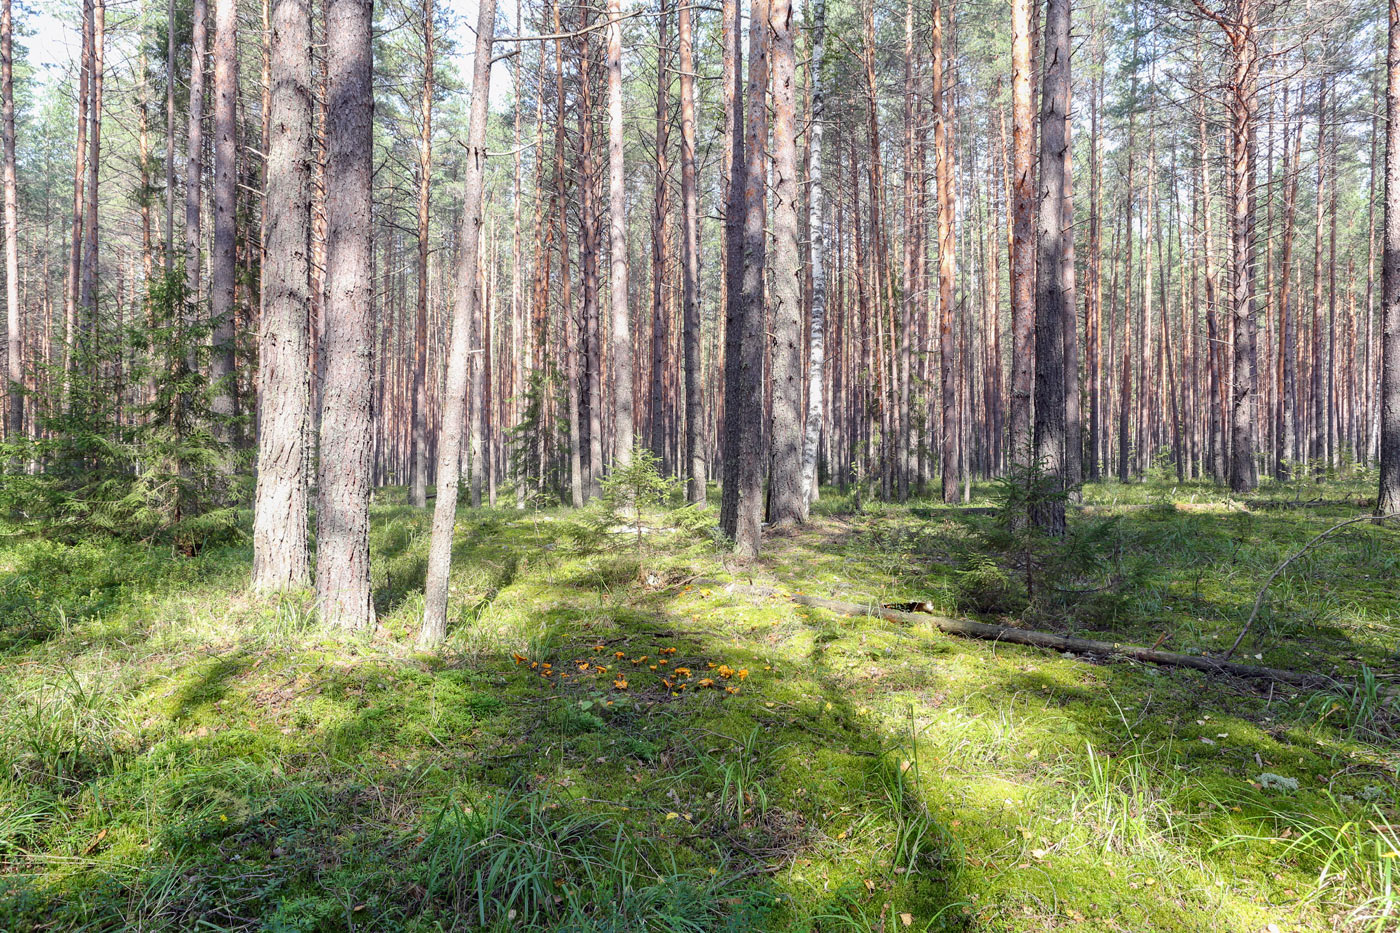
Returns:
(982, 630)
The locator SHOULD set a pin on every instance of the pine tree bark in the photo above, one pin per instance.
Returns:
(418, 465)
(1022, 245)
(1388, 501)
(343, 489)
(169, 251)
(617, 245)
(1317, 433)
(75, 255)
(787, 503)
(1093, 305)
(280, 556)
(194, 173)
(589, 249)
(224, 261)
(1054, 267)
(14, 360)
(746, 334)
(943, 145)
(660, 255)
(690, 263)
(735, 169)
(816, 347)
(88, 289)
(1287, 437)
(1239, 29)
(478, 338)
(434, 628)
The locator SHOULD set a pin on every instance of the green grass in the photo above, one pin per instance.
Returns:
(178, 755)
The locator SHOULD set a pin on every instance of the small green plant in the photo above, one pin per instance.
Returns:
(629, 487)
(1362, 706)
(1021, 496)
(986, 587)
(742, 793)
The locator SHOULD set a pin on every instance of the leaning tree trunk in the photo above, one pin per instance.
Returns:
(816, 350)
(434, 628)
(343, 490)
(223, 262)
(1053, 267)
(1389, 500)
(787, 503)
(280, 558)
(617, 246)
(690, 260)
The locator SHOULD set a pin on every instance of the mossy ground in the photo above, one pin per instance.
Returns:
(180, 755)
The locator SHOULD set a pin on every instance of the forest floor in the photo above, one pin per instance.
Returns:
(614, 740)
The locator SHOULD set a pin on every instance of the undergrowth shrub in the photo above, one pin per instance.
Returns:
(106, 464)
(984, 586)
(62, 733)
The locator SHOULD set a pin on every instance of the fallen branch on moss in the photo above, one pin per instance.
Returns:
(1318, 539)
(982, 630)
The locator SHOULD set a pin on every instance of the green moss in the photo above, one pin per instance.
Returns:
(180, 754)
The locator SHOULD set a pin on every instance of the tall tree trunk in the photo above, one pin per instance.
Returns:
(450, 436)
(75, 255)
(589, 249)
(1054, 266)
(14, 371)
(1331, 389)
(223, 262)
(690, 262)
(617, 245)
(170, 138)
(943, 145)
(735, 169)
(1022, 254)
(1243, 475)
(90, 231)
(1389, 500)
(910, 291)
(280, 558)
(660, 257)
(1317, 435)
(478, 339)
(744, 395)
(1093, 305)
(816, 347)
(1239, 30)
(787, 502)
(418, 466)
(1287, 438)
(194, 173)
(343, 490)
(1074, 428)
